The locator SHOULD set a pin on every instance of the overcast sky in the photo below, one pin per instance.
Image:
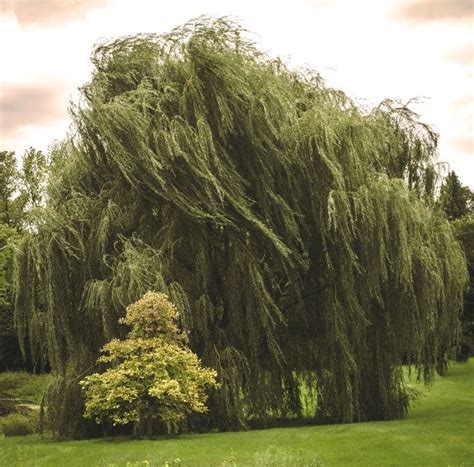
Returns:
(370, 49)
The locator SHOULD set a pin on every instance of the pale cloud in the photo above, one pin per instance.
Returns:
(463, 103)
(29, 105)
(48, 12)
(465, 144)
(463, 55)
(435, 10)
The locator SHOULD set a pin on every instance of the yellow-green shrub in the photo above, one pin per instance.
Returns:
(153, 376)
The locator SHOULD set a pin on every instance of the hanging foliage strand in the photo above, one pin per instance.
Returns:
(291, 229)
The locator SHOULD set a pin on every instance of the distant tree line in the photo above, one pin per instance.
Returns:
(457, 202)
(22, 193)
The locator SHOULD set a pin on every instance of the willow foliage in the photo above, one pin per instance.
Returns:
(291, 228)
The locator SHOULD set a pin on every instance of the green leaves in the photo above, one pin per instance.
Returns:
(152, 374)
(455, 200)
(8, 237)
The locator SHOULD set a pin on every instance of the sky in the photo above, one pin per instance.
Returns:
(370, 49)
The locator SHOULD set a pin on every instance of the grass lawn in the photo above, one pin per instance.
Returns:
(439, 431)
(23, 386)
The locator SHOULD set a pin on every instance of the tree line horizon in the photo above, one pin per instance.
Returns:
(299, 236)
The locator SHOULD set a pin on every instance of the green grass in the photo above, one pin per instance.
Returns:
(25, 387)
(439, 431)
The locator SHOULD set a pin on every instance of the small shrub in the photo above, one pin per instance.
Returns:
(17, 424)
(153, 375)
(7, 403)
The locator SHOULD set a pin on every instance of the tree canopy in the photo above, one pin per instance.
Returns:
(291, 228)
(22, 190)
(464, 230)
(8, 185)
(21, 194)
(455, 199)
(10, 356)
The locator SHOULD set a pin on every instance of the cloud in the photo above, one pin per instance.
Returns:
(462, 55)
(464, 144)
(463, 104)
(435, 10)
(48, 12)
(30, 105)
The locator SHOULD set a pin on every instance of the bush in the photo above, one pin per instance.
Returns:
(153, 376)
(17, 424)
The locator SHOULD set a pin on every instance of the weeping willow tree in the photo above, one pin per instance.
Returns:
(291, 228)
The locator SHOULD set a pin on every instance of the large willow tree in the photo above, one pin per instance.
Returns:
(290, 227)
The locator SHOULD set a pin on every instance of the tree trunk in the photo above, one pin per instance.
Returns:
(144, 426)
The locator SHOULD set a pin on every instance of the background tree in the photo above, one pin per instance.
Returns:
(8, 186)
(457, 202)
(10, 356)
(33, 178)
(153, 376)
(464, 229)
(289, 227)
(22, 192)
(455, 199)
